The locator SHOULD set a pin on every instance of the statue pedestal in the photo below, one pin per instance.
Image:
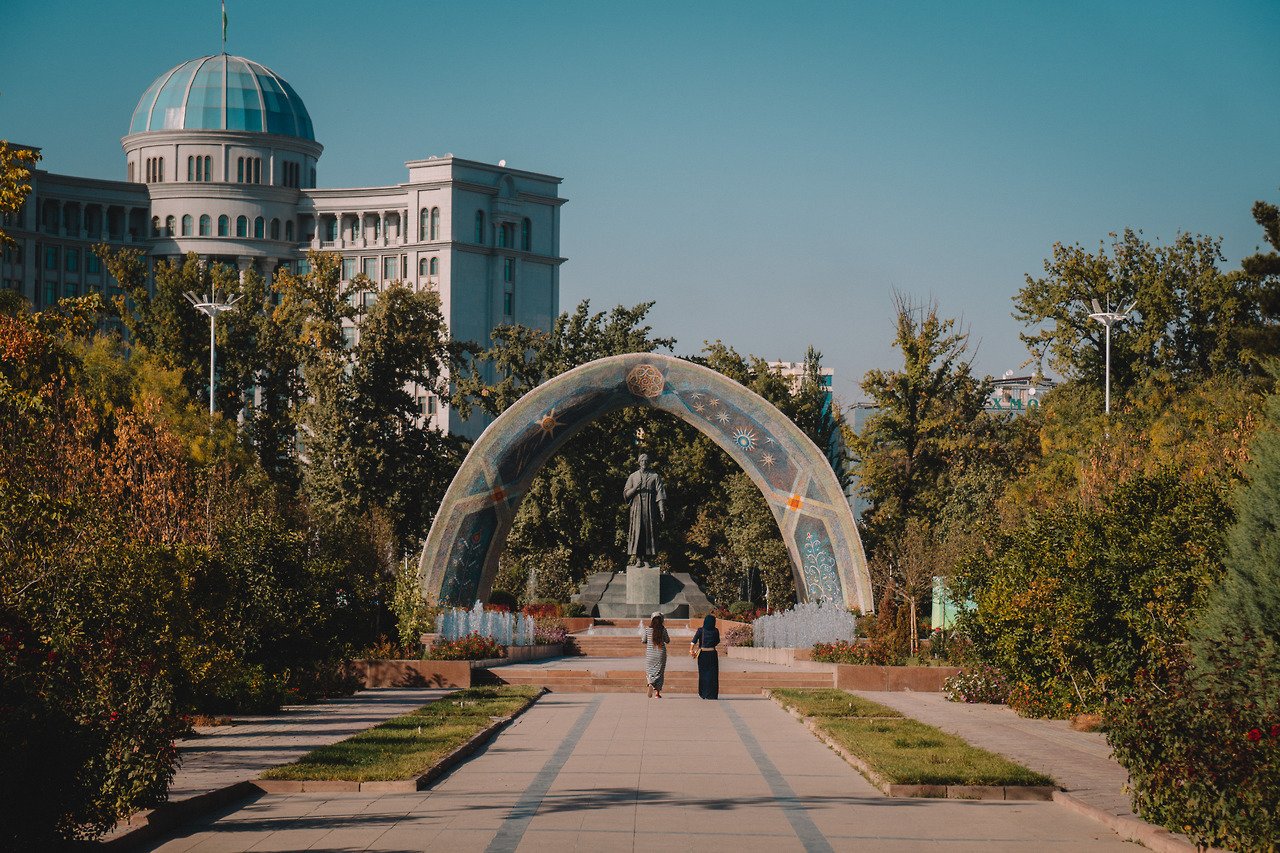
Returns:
(644, 586)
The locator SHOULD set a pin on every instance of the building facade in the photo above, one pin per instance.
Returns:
(221, 160)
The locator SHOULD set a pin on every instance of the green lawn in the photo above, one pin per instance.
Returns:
(832, 703)
(407, 745)
(901, 750)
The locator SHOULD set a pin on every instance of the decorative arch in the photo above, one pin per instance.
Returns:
(460, 558)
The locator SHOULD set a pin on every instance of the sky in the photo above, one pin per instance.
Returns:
(768, 173)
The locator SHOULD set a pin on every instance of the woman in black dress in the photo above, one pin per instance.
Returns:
(705, 640)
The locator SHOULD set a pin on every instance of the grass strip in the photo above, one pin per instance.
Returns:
(901, 750)
(405, 746)
(828, 702)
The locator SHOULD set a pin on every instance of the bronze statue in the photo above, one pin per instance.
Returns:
(648, 498)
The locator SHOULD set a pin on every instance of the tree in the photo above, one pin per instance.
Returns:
(923, 413)
(1191, 319)
(1073, 602)
(15, 171)
(364, 446)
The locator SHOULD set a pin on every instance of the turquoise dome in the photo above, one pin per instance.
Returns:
(222, 93)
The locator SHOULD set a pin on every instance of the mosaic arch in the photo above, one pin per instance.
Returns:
(460, 559)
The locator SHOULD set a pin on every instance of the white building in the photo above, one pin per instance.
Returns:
(221, 160)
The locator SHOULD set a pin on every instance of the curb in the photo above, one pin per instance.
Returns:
(1042, 793)
(416, 783)
(150, 824)
(1131, 828)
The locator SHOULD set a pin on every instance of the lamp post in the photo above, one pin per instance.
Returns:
(211, 305)
(1109, 318)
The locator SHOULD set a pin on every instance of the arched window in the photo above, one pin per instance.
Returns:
(313, 177)
(435, 223)
(422, 264)
(224, 226)
(424, 218)
(377, 227)
(480, 227)
(191, 168)
(202, 174)
(275, 229)
(526, 235)
(155, 226)
(208, 168)
(355, 228)
(240, 170)
(332, 236)
(288, 230)
(435, 266)
(206, 225)
(259, 228)
(242, 226)
(187, 223)
(161, 178)
(130, 170)
(170, 226)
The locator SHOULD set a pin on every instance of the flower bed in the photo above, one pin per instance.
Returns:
(982, 683)
(470, 647)
(864, 653)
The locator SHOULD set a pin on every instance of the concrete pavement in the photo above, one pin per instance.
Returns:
(622, 772)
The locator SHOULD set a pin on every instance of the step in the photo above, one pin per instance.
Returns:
(623, 681)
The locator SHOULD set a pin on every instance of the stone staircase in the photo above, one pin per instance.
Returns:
(633, 680)
(619, 638)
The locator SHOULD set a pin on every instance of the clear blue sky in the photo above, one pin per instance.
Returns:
(767, 172)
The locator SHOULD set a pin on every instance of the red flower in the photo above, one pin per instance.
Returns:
(1254, 735)
(1275, 730)
(114, 716)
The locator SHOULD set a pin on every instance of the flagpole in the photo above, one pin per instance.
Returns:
(224, 26)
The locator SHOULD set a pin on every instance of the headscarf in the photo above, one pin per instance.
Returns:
(710, 634)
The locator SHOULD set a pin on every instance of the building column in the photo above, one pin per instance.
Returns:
(244, 263)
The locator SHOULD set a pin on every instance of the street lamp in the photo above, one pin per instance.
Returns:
(213, 306)
(1109, 318)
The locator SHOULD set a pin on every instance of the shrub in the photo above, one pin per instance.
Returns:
(1075, 601)
(471, 647)
(543, 610)
(503, 600)
(738, 636)
(1202, 748)
(384, 648)
(574, 610)
(1052, 699)
(549, 633)
(981, 683)
(864, 652)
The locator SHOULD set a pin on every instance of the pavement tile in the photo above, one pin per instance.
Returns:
(670, 775)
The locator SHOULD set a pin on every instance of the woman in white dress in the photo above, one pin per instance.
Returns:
(656, 639)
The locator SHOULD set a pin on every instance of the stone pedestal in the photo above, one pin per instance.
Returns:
(644, 585)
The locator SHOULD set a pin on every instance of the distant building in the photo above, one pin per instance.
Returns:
(221, 160)
(1017, 394)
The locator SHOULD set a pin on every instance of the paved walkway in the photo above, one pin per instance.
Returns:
(1080, 762)
(621, 772)
(225, 755)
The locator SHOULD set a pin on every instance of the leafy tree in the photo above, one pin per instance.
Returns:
(365, 447)
(1072, 602)
(1191, 319)
(1247, 602)
(1201, 743)
(15, 171)
(924, 413)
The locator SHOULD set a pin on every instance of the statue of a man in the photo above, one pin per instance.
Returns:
(648, 498)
